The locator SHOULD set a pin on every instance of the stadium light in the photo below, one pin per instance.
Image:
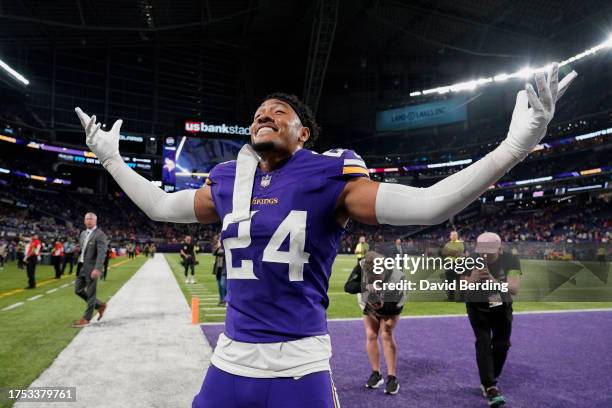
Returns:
(501, 77)
(524, 73)
(13, 73)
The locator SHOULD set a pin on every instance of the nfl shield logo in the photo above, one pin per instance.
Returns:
(266, 180)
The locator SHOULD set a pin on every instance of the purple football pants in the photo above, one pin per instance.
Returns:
(222, 389)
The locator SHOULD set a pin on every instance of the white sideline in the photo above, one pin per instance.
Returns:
(354, 319)
(144, 352)
(530, 312)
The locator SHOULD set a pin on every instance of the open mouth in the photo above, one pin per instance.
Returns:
(265, 129)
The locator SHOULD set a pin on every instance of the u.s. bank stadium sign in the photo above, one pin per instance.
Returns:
(195, 127)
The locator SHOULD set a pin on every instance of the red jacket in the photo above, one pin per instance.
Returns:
(33, 248)
(58, 249)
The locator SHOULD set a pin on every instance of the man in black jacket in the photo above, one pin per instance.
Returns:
(490, 312)
(188, 259)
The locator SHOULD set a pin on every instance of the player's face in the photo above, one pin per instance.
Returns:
(276, 127)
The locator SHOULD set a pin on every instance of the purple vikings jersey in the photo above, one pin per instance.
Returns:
(279, 261)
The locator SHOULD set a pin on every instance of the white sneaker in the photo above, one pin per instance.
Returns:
(193, 280)
(187, 280)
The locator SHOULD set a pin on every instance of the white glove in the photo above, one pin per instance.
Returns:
(156, 203)
(104, 144)
(528, 125)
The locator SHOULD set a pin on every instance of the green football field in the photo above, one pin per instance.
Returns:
(538, 276)
(36, 326)
(34, 332)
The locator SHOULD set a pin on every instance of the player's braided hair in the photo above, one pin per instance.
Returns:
(304, 113)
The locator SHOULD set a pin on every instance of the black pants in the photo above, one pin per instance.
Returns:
(492, 329)
(68, 259)
(85, 288)
(189, 262)
(31, 268)
(20, 264)
(105, 269)
(452, 276)
(57, 265)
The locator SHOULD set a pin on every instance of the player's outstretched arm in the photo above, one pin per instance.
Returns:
(205, 206)
(187, 206)
(383, 203)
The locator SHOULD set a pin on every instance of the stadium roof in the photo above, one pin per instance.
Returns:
(158, 60)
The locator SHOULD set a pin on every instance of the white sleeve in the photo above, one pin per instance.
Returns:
(397, 204)
(176, 207)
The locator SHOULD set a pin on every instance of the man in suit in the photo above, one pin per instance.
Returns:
(93, 243)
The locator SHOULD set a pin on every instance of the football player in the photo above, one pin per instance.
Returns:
(283, 209)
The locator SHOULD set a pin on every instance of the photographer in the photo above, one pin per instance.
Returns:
(490, 312)
(381, 310)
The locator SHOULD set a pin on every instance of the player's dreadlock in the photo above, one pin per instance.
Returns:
(304, 113)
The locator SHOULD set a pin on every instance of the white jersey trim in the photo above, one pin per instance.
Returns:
(354, 162)
(272, 360)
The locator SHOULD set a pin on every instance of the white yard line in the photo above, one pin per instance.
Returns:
(51, 290)
(146, 352)
(13, 306)
(35, 297)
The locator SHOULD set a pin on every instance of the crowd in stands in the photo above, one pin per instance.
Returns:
(474, 149)
(55, 213)
(580, 222)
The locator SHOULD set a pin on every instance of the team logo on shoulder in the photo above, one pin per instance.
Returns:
(266, 180)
